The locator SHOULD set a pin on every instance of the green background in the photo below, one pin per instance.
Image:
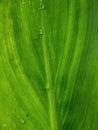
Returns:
(48, 64)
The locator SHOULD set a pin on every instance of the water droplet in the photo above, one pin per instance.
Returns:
(41, 32)
(22, 121)
(4, 125)
(42, 7)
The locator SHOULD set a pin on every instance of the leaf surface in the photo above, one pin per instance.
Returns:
(48, 65)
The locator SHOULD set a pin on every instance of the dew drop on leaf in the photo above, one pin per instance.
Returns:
(41, 32)
(42, 7)
(22, 121)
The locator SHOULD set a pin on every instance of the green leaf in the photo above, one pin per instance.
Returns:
(48, 65)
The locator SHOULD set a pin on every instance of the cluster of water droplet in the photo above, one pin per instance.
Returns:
(42, 5)
(41, 8)
(41, 31)
(5, 125)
